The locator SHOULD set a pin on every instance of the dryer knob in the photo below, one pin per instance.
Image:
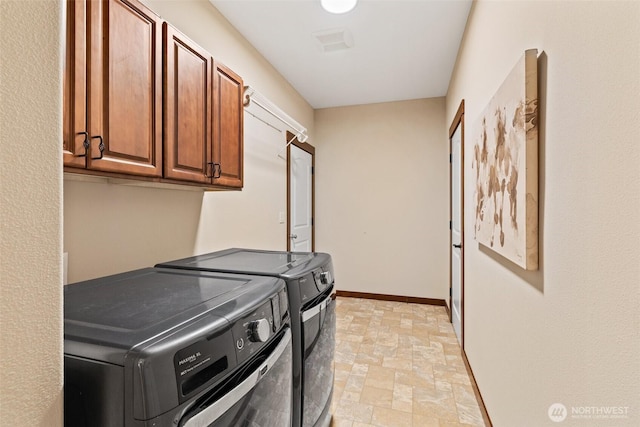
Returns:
(325, 278)
(259, 330)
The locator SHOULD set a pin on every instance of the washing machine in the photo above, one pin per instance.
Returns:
(177, 348)
(310, 285)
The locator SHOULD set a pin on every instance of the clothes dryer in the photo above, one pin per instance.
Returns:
(176, 348)
(311, 291)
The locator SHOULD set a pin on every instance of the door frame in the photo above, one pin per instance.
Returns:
(311, 150)
(458, 121)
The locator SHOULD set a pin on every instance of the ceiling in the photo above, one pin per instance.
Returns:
(400, 49)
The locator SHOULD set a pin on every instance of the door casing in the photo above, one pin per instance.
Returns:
(311, 150)
(458, 121)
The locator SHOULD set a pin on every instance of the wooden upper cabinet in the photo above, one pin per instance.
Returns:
(187, 109)
(124, 111)
(75, 86)
(142, 100)
(227, 127)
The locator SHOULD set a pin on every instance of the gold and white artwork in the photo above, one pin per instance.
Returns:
(505, 166)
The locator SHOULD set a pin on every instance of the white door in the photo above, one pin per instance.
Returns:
(456, 232)
(301, 203)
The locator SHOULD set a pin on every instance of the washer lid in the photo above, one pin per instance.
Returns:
(287, 265)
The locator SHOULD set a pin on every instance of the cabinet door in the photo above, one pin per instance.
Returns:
(187, 106)
(125, 88)
(228, 127)
(75, 86)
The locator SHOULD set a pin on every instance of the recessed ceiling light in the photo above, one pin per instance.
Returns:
(338, 6)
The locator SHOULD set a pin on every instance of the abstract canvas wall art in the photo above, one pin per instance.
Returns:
(505, 166)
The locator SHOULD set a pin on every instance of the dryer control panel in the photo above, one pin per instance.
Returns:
(323, 276)
(212, 357)
(259, 326)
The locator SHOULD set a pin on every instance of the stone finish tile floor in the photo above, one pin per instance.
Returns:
(399, 364)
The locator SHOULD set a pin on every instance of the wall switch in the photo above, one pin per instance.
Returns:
(281, 217)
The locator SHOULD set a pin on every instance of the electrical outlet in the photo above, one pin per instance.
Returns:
(281, 217)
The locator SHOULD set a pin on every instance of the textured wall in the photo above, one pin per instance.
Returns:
(30, 208)
(567, 333)
(382, 196)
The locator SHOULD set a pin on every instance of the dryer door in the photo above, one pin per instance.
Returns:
(258, 394)
(319, 327)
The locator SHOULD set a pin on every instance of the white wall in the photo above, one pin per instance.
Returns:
(567, 333)
(30, 210)
(252, 215)
(382, 174)
(110, 228)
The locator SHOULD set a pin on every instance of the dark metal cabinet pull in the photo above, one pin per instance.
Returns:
(100, 147)
(85, 144)
(216, 170)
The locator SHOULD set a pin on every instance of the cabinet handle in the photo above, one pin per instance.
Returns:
(100, 147)
(216, 170)
(85, 144)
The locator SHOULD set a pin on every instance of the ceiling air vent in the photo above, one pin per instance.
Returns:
(333, 40)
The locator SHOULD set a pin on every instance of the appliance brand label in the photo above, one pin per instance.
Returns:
(201, 362)
(196, 366)
(191, 358)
